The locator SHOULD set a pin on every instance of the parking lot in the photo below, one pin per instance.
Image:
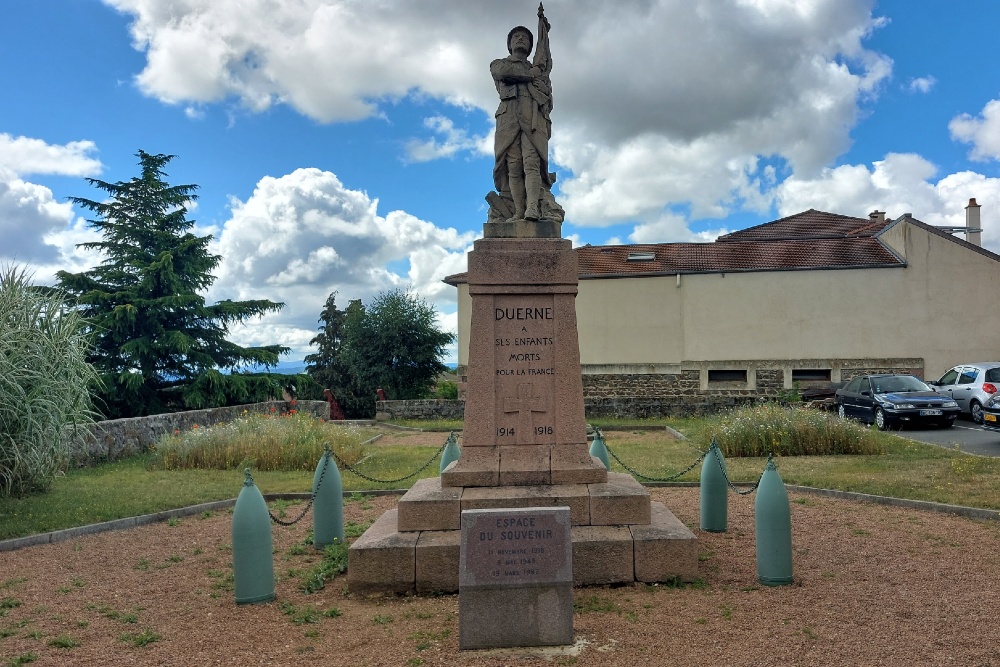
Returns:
(965, 435)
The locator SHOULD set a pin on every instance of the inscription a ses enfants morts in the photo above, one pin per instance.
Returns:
(524, 359)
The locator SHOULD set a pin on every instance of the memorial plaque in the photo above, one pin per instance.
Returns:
(516, 578)
(524, 345)
(516, 546)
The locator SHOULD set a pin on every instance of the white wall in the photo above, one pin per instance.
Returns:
(940, 307)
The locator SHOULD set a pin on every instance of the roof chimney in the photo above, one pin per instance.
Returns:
(973, 224)
(877, 216)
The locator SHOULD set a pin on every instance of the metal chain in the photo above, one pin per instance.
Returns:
(655, 479)
(312, 498)
(345, 466)
(691, 467)
(726, 475)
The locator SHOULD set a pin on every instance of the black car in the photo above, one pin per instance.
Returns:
(894, 400)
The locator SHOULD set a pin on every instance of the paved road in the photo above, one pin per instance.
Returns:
(965, 434)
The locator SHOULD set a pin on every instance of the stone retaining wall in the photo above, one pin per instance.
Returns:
(119, 438)
(687, 389)
(430, 408)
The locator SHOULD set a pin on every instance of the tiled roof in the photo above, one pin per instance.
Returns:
(808, 240)
(811, 224)
(735, 256)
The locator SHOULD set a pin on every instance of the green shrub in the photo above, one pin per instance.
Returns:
(446, 389)
(290, 442)
(45, 383)
(783, 431)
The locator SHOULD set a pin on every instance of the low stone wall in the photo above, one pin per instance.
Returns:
(679, 390)
(430, 408)
(119, 438)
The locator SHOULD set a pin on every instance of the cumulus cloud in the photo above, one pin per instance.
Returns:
(24, 155)
(304, 235)
(640, 85)
(453, 140)
(922, 84)
(982, 131)
(28, 213)
(900, 183)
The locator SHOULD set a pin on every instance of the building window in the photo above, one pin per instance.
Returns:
(727, 375)
(810, 375)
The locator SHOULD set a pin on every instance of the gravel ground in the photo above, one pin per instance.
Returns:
(874, 585)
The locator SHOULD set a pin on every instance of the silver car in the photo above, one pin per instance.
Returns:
(971, 385)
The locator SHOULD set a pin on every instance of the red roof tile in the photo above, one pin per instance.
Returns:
(810, 224)
(808, 240)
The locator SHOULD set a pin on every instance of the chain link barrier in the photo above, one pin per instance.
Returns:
(312, 497)
(636, 473)
(725, 474)
(375, 480)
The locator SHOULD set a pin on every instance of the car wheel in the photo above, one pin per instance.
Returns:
(880, 421)
(977, 412)
(841, 412)
(947, 423)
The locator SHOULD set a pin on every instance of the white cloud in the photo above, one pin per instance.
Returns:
(983, 132)
(304, 235)
(453, 141)
(901, 183)
(649, 92)
(24, 155)
(922, 84)
(28, 215)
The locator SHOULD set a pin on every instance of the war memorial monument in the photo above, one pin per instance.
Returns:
(524, 443)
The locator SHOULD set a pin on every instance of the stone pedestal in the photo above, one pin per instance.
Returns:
(524, 442)
(524, 420)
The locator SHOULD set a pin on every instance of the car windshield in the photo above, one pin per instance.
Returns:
(897, 383)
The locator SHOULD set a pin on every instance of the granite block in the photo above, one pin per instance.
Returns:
(602, 555)
(665, 549)
(524, 465)
(476, 466)
(437, 559)
(383, 560)
(619, 501)
(429, 506)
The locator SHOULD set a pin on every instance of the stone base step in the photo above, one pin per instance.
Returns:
(386, 560)
(619, 501)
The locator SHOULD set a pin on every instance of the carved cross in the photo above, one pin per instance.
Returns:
(525, 403)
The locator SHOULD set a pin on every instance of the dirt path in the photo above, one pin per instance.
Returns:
(873, 585)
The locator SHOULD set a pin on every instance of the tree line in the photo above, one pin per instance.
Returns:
(136, 332)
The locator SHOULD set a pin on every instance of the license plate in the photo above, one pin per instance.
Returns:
(929, 413)
(989, 417)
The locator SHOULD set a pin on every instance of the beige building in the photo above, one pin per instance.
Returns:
(812, 298)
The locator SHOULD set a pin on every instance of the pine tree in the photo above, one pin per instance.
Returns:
(157, 344)
(326, 365)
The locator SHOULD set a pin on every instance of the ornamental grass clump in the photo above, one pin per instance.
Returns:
(261, 442)
(45, 383)
(769, 428)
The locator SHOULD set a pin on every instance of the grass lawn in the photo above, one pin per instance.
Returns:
(133, 487)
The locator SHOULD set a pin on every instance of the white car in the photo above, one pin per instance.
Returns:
(971, 385)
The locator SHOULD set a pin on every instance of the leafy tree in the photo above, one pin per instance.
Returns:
(45, 382)
(158, 345)
(394, 343)
(327, 367)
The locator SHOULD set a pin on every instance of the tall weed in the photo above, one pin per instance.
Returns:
(289, 442)
(45, 382)
(769, 428)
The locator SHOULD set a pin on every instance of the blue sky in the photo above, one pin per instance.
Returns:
(347, 145)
